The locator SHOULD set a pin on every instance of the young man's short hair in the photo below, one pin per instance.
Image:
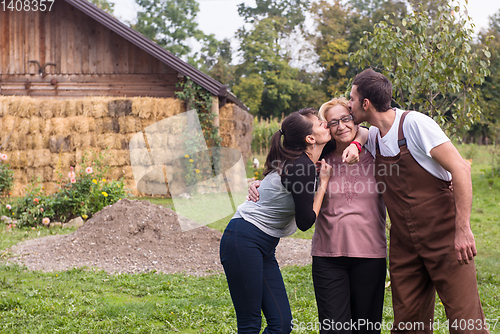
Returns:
(375, 87)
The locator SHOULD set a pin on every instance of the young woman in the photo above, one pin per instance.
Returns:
(349, 244)
(287, 200)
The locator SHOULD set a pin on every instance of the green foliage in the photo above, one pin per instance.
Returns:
(490, 89)
(105, 5)
(292, 11)
(198, 98)
(6, 178)
(82, 193)
(88, 300)
(263, 130)
(250, 91)
(171, 23)
(435, 72)
(269, 83)
(217, 62)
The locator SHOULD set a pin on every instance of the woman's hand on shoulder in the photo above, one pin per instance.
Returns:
(253, 193)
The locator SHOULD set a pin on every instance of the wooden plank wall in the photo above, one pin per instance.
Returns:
(90, 59)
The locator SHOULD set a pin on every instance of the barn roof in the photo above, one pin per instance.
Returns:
(110, 22)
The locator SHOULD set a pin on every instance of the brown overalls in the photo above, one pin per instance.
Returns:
(422, 248)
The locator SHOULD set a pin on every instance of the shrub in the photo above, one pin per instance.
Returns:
(6, 176)
(81, 193)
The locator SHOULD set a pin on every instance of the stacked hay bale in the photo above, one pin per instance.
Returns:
(44, 137)
(236, 127)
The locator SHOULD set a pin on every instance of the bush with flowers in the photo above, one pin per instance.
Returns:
(6, 175)
(81, 194)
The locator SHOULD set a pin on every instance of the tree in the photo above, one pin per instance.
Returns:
(490, 89)
(265, 77)
(433, 73)
(105, 6)
(217, 63)
(171, 23)
(339, 27)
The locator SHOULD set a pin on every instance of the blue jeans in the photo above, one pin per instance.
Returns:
(254, 278)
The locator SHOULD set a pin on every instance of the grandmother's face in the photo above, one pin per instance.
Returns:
(345, 129)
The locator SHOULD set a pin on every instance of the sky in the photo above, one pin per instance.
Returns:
(220, 17)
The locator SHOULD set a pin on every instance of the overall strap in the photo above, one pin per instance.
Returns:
(401, 137)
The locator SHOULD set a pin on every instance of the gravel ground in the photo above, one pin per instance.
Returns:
(137, 236)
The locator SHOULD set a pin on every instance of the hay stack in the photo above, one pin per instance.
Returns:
(50, 134)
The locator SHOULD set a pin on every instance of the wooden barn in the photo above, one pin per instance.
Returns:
(75, 79)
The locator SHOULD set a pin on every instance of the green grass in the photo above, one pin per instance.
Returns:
(91, 301)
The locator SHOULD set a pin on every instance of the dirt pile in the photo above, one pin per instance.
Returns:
(136, 236)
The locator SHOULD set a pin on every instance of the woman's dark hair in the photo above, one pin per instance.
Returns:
(375, 87)
(294, 130)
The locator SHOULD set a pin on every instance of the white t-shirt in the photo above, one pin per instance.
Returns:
(422, 134)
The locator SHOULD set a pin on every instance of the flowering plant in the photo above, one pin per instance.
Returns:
(6, 176)
(83, 193)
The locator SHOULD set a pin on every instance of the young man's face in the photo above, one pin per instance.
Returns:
(356, 106)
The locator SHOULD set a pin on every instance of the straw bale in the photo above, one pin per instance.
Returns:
(129, 124)
(36, 142)
(30, 142)
(82, 124)
(140, 157)
(19, 189)
(169, 107)
(16, 142)
(87, 107)
(117, 158)
(48, 173)
(60, 126)
(147, 122)
(46, 127)
(132, 188)
(50, 187)
(106, 125)
(116, 173)
(83, 141)
(71, 108)
(39, 158)
(23, 125)
(80, 153)
(127, 172)
(35, 124)
(108, 140)
(4, 104)
(142, 107)
(99, 108)
(59, 108)
(119, 108)
(60, 144)
(23, 107)
(17, 159)
(64, 160)
(124, 142)
(47, 107)
(34, 174)
(20, 175)
(9, 122)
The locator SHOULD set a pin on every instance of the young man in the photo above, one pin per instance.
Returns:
(432, 247)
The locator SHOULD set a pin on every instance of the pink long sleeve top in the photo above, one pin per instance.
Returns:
(351, 221)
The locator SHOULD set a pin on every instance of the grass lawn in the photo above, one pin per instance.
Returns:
(90, 301)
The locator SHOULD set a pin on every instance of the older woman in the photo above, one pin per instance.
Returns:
(349, 242)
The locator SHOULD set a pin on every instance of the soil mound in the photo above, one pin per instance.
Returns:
(136, 236)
